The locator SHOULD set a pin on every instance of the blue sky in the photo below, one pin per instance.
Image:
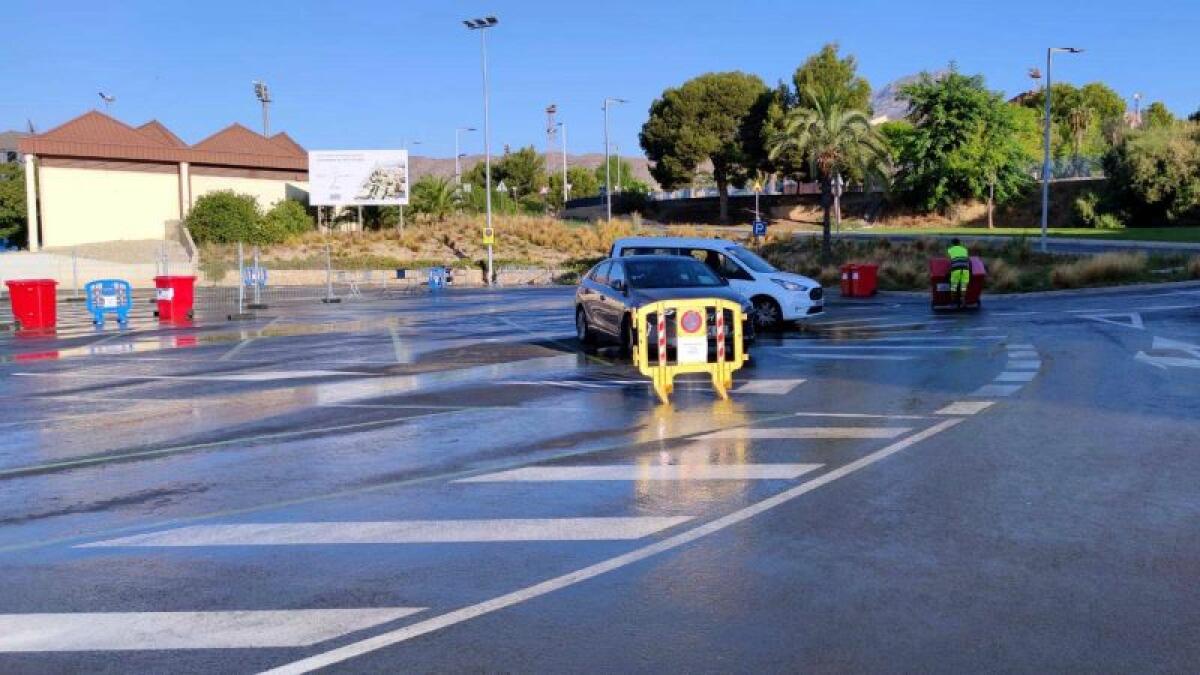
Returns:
(371, 74)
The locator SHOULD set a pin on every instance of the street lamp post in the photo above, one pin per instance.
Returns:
(607, 169)
(482, 25)
(458, 156)
(1046, 141)
(563, 126)
(617, 153)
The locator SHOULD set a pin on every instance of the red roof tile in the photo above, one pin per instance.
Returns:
(96, 135)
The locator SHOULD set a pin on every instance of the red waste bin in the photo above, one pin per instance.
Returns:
(939, 284)
(34, 302)
(865, 280)
(848, 281)
(175, 295)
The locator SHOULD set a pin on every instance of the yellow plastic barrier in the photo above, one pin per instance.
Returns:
(692, 340)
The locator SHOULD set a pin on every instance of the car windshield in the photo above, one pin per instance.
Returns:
(751, 259)
(671, 273)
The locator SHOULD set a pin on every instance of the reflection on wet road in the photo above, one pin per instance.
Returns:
(429, 483)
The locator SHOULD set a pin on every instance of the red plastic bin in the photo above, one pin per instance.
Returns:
(865, 280)
(848, 281)
(176, 296)
(34, 302)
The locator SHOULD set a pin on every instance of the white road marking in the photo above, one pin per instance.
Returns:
(1165, 362)
(114, 631)
(860, 415)
(398, 348)
(847, 357)
(1013, 313)
(965, 408)
(236, 348)
(1026, 364)
(1021, 345)
(1018, 376)
(824, 345)
(1019, 356)
(401, 532)
(1135, 319)
(652, 472)
(989, 390)
(457, 616)
(1177, 345)
(766, 433)
(226, 377)
(778, 387)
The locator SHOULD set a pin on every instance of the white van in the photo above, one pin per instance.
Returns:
(777, 296)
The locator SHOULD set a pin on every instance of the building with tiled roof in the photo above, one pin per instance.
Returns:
(96, 179)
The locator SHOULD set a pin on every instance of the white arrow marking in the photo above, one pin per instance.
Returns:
(1179, 345)
(1167, 361)
(1135, 319)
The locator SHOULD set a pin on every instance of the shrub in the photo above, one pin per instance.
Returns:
(1193, 267)
(1155, 175)
(1002, 276)
(225, 217)
(1091, 211)
(287, 218)
(1103, 268)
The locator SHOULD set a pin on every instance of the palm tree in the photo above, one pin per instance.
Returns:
(435, 196)
(835, 139)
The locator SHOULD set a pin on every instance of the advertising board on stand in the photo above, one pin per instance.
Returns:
(358, 177)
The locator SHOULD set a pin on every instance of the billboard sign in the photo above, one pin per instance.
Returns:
(358, 177)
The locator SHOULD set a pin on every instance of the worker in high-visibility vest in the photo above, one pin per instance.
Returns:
(960, 269)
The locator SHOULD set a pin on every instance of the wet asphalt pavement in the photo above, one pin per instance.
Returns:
(447, 484)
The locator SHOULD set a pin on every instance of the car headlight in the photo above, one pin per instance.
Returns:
(790, 285)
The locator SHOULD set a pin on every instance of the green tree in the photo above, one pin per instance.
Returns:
(1157, 116)
(1154, 175)
(523, 172)
(964, 144)
(12, 202)
(827, 74)
(835, 139)
(287, 218)
(1194, 117)
(715, 117)
(435, 197)
(622, 171)
(226, 217)
(581, 181)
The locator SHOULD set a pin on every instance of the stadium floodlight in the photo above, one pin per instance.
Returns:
(263, 93)
(481, 25)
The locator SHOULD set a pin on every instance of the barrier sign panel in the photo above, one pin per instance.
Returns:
(358, 177)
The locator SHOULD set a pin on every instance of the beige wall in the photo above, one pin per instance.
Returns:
(266, 191)
(80, 206)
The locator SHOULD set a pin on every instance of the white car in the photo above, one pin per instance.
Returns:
(777, 296)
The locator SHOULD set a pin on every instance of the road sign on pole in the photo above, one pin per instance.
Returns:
(489, 236)
(760, 227)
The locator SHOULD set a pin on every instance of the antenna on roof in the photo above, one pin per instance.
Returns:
(108, 100)
(263, 94)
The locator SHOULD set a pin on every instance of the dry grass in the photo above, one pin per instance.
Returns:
(1193, 267)
(1003, 276)
(1100, 269)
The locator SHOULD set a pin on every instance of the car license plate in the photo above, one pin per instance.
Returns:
(692, 349)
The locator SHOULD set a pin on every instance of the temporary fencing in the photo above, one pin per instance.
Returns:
(689, 336)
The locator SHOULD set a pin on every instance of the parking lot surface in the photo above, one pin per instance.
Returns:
(447, 482)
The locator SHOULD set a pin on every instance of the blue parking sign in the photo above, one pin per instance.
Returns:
(760, 228)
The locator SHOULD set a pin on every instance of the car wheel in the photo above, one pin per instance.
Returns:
(627, 339)
(582, 330)
(767, 313)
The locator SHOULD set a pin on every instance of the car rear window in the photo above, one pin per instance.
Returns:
(673, 273)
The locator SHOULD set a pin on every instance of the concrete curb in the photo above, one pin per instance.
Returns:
(1098, 290)
(1125, 244)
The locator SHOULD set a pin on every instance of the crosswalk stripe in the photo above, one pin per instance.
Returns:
(401, 532)
(1025, 364)
(115, 631)
(653, 472)
(1017, 376)
(769, 386)
(989, 390)
(965, 408)
(890, 347)
(767, 433)
(227, 377)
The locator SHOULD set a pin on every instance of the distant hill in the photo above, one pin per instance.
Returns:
(439, 166)
(887, 103)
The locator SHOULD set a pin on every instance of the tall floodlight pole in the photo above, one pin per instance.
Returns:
(482, 25)
(263, 94)
(404, 146)
(607, 168)
(458, 155)
(563, 127)
(1046, 141)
